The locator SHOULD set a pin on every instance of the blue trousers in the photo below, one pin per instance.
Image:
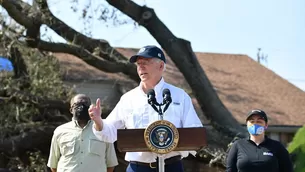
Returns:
(174, 167)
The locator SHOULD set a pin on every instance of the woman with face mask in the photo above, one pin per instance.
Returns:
(258, 153)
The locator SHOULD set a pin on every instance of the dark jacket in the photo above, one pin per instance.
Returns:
(269, 156)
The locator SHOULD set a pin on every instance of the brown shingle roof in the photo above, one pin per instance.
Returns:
(241, 83)
(74, 68)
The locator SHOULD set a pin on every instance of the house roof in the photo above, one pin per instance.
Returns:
(241, 83)
(73, 68)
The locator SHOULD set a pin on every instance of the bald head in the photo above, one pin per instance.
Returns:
(80, 98)
(79, 106)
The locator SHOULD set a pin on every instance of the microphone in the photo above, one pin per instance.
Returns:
(166, 98)
(152, 99)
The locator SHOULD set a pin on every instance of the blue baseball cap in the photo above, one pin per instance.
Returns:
(149, 51)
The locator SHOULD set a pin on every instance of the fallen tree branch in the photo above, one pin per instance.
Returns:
(83, 46)
(20, 11)
(14, 95)
(27, 126)
(216, 156)
(36, 138)
(107, 66)
(32, 136)
(68, 33)
(19, 66)
(5, 170)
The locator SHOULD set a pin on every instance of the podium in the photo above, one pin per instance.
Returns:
(135, 140)
(132, 140)
(161, 136)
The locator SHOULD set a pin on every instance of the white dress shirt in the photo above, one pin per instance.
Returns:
(133, 111)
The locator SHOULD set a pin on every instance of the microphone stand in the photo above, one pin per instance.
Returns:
(161, 163)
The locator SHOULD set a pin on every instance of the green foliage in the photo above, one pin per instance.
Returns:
(45, 81)
(297, 149)
(45, 76)
(18, 116)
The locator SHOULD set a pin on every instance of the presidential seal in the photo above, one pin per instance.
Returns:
(161, 137)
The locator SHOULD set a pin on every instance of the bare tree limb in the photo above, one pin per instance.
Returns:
(38, 138)
(117, 62)
(20, 11)
(99, 63)
(107, 66)
(40, 102)
(13, 95)
(68, 33)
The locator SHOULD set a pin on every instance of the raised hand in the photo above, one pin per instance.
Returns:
(95, 113)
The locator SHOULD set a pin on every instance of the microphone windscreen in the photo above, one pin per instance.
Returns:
(166, 92)
(151, 93)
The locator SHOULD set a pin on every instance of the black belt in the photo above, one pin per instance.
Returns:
(154, 164)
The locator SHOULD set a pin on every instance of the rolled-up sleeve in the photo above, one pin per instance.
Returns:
(190, 117)
(113, 122)
(111, 158)
(108, 134)
(54, 152)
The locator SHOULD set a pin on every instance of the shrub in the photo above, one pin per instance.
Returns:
(297, 149)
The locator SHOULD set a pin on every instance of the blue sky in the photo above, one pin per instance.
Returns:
(220, 26)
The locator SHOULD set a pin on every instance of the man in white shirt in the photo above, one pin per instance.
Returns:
(133, 111)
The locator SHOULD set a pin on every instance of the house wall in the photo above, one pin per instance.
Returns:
(284, 137)
(282, 133)
(275, 136)
(107, 91)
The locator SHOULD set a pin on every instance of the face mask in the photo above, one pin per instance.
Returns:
(80, 112)
(256, 129)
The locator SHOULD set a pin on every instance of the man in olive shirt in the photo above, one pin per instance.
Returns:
(74, 147)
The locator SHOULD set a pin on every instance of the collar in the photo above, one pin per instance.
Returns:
(264, 141)
(157, 88)
(76, 122)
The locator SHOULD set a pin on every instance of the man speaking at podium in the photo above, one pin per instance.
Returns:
(134, 111)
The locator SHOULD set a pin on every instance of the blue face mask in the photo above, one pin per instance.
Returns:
(256, 129)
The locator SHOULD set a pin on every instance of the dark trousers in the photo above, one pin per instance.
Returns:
(174, 167)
